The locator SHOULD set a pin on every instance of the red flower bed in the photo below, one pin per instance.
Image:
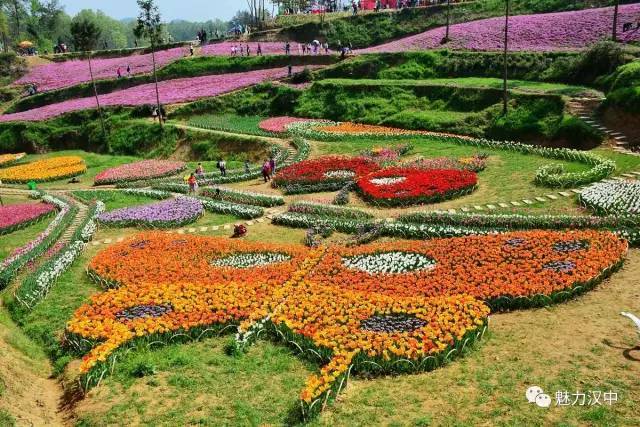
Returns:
(14, 217)
(325, 170)
(280, 124)
(403, 186)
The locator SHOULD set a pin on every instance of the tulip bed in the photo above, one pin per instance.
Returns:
(323, 174)
(393, 307)
(549, 175)
(406, 186)
(9, 159)
(612, 198)
(146, 169)
(10, 266)
(15, 217)
(166, 214)
(45, 170)
(278, 125)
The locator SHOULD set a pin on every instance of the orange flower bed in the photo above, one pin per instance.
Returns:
(488, 267)
(381, 308)
(349, 128)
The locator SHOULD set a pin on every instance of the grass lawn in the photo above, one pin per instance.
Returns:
(477, 82)
(229, 123)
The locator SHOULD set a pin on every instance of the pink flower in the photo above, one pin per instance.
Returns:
(140, 170)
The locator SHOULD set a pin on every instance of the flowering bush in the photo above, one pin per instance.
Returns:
(171, 92)
(9, 159)
(542, 32)
(14, 217)
(403, 186)
(476, 163)
(280, 124)
(243, 197)
(145, 169)
(615, 198)
(166, 214)
(323, 174)
(45, 170)
(349, 307)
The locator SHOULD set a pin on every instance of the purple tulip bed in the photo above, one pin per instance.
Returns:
(541, 32)
(166, 214)
(171, 92)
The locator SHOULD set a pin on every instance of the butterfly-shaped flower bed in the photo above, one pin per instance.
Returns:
(323, 174)
(166, 214)
(339, 305)
(14, 217)
(405, 186)
(146, 169)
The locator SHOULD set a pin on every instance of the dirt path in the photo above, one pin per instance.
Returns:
(27, 392)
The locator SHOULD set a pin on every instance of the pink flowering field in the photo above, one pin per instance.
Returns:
(57, 75)
(139, 170)
(542, 32)
(280, 124)
(171, 92)
(14, 216)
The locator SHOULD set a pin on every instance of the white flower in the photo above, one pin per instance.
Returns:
(390, 262)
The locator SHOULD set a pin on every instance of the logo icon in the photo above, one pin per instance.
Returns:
(536, 395)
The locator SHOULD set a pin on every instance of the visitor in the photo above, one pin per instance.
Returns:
(326, 48)
(163, 114)
(200, 171)
(119, 72)
(259, 51)
(304, 49)
(248, 51)
(377, 7)
(287, 49)
(191, 49)
(289, 71)
(247, 167)
(129, 70)
(222, 165)
(272, 165)
(266, 171)
(193, 184)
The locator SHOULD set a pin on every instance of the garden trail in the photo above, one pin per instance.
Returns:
(28, 392)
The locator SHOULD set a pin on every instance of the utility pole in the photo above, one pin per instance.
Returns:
(446, 37)
(615, 21)
(505, 94)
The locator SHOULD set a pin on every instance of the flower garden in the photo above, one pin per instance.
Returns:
(378, 275)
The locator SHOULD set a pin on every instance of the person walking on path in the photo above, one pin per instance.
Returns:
(247, 167)
(193, 184)
(223, 167)
(200, 170)
(266, 171)
(259, 51)
(272, 165)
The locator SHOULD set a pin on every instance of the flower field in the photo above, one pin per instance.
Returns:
(399, 186)
(57, 75)
(542, 32)
(171, 92)
(612, 198)
(359, 309)
(224, 48)
(145, 169)
(280, 124)
(14, 217)
(44, 170)
(9, 159)
(166, 214)
(323, 174)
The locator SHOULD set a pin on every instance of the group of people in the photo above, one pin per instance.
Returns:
(202, 37)
(32, 89)
(268, 169)
(119, 72)
(240, 50)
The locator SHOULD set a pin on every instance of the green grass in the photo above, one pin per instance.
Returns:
(230, 123)
(474, 82)
(113, 199)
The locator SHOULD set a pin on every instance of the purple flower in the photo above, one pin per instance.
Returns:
(541, 32)
(169, 213)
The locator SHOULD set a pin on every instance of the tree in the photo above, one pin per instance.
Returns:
(149, 26)
(4, 31)
(446, 36)
(615, 21)
(505, 93)
(85, 34)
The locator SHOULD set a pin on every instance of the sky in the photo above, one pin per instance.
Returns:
(190, 10)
